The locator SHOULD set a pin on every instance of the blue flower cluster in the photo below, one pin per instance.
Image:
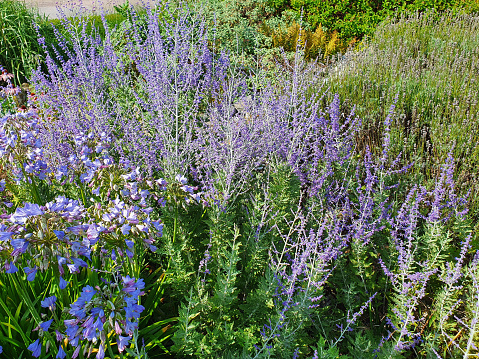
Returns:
(99, 311)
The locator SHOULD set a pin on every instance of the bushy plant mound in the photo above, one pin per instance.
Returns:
(160, 200)
(431, 62)
(357, 19)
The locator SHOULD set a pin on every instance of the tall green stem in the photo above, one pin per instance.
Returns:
(110, 351)
(33, 187)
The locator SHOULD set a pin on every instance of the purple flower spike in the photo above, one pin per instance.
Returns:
(35, 348)
(49, 302)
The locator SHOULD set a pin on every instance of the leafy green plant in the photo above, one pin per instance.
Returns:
(19, 49)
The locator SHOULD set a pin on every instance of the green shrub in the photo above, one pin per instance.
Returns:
(356, 19)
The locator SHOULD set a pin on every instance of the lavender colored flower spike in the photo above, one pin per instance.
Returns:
(35, 348)
(49, 302)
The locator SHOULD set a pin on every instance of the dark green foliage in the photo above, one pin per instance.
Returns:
(222, 314)
(19, 50)
(353, 18)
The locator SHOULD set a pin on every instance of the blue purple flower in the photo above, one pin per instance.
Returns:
(49, 302)
(35, 348)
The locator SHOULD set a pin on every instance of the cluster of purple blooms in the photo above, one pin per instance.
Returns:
(64, 234)
(96, 312)
(60, 232)
(19, 143)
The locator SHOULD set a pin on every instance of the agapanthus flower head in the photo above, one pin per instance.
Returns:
(96, 315)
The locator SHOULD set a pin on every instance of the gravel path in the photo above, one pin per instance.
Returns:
(49, 7)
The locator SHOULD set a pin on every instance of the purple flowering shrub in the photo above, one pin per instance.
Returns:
(152, 181)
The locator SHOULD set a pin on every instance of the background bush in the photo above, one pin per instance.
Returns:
(20, 52)
(356, 19)
(430, 61)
